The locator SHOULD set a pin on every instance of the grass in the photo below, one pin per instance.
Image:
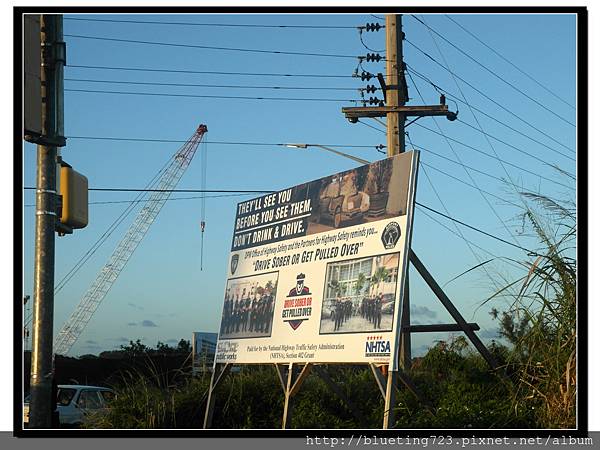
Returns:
(541, 321)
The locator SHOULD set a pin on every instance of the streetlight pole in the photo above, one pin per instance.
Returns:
(329, 149)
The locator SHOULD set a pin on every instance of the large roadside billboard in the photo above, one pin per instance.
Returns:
(316, 271)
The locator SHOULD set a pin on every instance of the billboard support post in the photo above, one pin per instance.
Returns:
(217, 377)
(280, 369)
(380, 379)
(287, 403)
(405, 343)
(292, 388)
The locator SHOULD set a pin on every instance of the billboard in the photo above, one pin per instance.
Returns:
(316, 271)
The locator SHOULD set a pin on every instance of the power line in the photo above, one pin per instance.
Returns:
(480, 129)
(454, 97)
(109, 231)
(229, 86)
(508, 260)
(483, 94)
(456, 162)
(208, 72)
(470, 185)
(456, 155)
(371, 126)
(520, 150)
(494, 157)
(169, 199)
(468, 243)
(550, 91)
(531, 252)
(210, 47)
(360, 35)
(494, 73)
(237, 191)
(157, 94)
(134, 139)
(239, 25)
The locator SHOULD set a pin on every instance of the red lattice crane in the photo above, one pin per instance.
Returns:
(161, 191)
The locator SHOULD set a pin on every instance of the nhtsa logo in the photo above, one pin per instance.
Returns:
(376, 346)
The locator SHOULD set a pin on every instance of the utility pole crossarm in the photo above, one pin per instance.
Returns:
(382, 111)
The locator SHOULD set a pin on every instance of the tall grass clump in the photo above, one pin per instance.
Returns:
(541, 321)
(148, 398)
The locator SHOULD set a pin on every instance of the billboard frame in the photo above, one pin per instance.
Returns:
(291, 375)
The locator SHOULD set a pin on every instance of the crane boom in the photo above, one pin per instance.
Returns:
(171, 175)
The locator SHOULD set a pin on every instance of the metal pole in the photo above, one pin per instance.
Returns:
(42, 360)
(405, 342)
(337, 152)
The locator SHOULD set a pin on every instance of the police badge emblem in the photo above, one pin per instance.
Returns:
(390, 235)
(234, 263)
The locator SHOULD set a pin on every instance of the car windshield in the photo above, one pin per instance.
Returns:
(107, 395)
(64, 396)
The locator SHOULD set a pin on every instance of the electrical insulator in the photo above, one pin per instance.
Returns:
(373, 27)
(442, 99)
(202, 226)
(374, 57)
(366, 76)
(370, 88)
(375, 101)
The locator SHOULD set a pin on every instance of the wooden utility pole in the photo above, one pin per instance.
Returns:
(396, 95)
(395, 92)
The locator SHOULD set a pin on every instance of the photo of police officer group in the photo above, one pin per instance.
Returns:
(360, 295)
(248, 307)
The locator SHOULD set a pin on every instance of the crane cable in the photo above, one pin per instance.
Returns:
(203, 162)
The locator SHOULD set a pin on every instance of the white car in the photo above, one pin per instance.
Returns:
(75, 401)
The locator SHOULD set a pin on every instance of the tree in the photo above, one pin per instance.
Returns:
(381, 274)
(361, 281)
(136, 348)
(184, 346)
(163, 348)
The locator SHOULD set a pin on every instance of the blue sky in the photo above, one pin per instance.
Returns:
(162, 294)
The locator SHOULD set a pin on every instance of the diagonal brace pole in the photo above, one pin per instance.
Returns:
(466, 328)
(379, 379)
